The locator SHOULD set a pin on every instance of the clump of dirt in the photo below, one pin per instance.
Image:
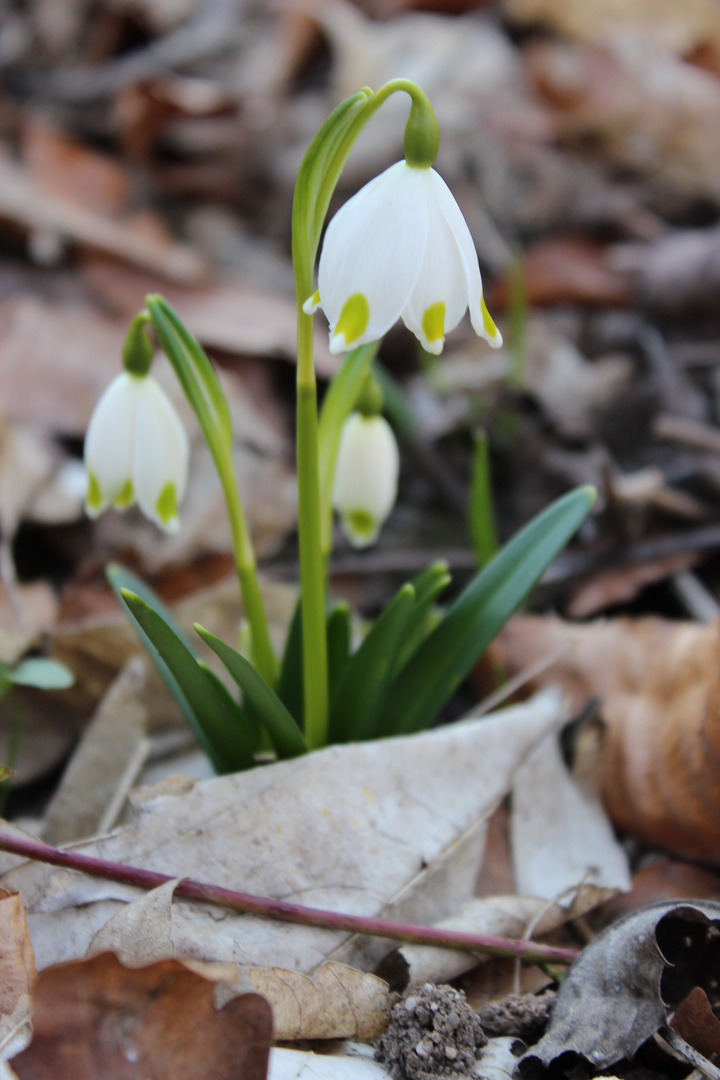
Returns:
(433, 1032)
(520, 1015)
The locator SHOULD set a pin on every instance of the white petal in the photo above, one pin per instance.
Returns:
(373, 248)
(109, 443)
(366, 476)
(161, 453)
(440, 297)
(481, 321)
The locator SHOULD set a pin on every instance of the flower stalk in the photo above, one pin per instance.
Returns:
(267, 907)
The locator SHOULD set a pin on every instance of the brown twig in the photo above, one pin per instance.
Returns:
(281, 909)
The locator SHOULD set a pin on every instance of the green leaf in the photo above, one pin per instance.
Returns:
(448, 654)
(264, 702)
(250, 729)
(43, 673)
(5, 773)
(214, 727)
(481, 510)
(355, 708)
(290, 684)
(120, 579)
(428, 587)
(339, 638)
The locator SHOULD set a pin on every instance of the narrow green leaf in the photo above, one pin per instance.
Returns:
(249, 728)
(339, 638)
(264, 702)
(481, 512)
(290, 684)
(214, 727)
(359, 698)
(120, 578)
(447, 655)
(428, 587)
(43, 673)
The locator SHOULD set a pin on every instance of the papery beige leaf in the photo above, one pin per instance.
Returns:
(17, 961)
(288, 1064)
(346, 828)
(339, 1002)
(561, 835)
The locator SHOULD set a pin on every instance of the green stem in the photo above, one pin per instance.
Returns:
(312, 564)
(263, 654)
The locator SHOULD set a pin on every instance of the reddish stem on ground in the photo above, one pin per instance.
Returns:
(280, 909)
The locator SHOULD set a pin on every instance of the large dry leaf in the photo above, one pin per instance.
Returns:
(346, 828)
(659, 683)
(338, 1002)
(624, 985)
(97, 1018)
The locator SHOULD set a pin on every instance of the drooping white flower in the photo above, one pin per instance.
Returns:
(366, 477)
(400, 248)
(136, 449)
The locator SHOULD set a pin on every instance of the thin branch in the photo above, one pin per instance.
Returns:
(280, 909)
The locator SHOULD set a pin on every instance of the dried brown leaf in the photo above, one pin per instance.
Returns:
(97, 1018)
(17, 960)
(659, 683)
(696, 1023)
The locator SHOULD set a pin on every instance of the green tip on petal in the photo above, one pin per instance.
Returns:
(312, 303)
(433, 323)
(94, 499)
(489, 326)
(126, 497)
(166, 506)
(353, 322)
(360, 527)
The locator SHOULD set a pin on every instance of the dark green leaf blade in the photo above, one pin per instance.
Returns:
(214, 727)
(290, 683)
(428, 587)
(119, 579)
(360, 694)
(447, 655)
(339, 639)
(264, 702)
(250, 730)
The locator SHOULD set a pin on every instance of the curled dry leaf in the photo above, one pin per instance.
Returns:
(625, 983)
(695, 1022)
(659, 683)
(97, 1018)
(339, 1002)
(17, 965)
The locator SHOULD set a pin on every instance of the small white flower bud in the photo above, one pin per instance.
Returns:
(136, 449)
(366, 477)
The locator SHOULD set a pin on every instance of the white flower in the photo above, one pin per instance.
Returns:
(136, 449)
(366, 476)
(400, 248)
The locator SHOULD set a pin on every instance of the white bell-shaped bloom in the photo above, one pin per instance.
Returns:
(366, 477)
(400, 248)
(136, 449)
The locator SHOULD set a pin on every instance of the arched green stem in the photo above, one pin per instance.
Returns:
(318, 176)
